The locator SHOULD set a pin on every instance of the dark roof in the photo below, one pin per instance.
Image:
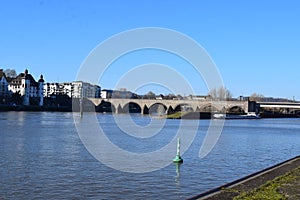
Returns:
(2, 74)
(106, 90)
(32, 81)
(18, 79)
(41, 79)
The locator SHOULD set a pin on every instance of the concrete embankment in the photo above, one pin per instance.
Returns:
(250, 182)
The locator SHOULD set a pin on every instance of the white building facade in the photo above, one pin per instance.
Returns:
(76, 89)
(28, 88)
(106, 94)
(51, 89)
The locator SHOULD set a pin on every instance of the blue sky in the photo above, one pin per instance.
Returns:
(255, 44)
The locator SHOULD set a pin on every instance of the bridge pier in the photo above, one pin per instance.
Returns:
(118, 109)
(144, 110)
(170, 110)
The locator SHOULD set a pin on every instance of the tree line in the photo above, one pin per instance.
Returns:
(10, 73)
(221, 93)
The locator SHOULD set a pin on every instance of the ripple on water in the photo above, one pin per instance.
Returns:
(42, 157)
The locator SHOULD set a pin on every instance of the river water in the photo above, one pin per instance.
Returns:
(42, 157)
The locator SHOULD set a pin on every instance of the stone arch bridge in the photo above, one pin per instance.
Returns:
(145, 106)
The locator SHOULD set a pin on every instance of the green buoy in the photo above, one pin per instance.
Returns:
(178, 159)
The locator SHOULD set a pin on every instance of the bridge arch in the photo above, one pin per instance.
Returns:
(183, 107)
(236, 110)
(209, 108)
(105, 106)
(158, 109)
(132, 107)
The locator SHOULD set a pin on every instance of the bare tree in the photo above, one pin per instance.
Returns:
(170, 96)
(213, 94)
(256, 97)
(11, 73)
(228, 94)
(222, 93)
(149, 95)
(179, 97)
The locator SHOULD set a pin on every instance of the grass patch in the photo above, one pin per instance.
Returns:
(270, 190)
(176, 115)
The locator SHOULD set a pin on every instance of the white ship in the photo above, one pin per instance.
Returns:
(250, 115)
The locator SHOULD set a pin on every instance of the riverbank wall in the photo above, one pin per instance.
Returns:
(250, 182)
(36, 108)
